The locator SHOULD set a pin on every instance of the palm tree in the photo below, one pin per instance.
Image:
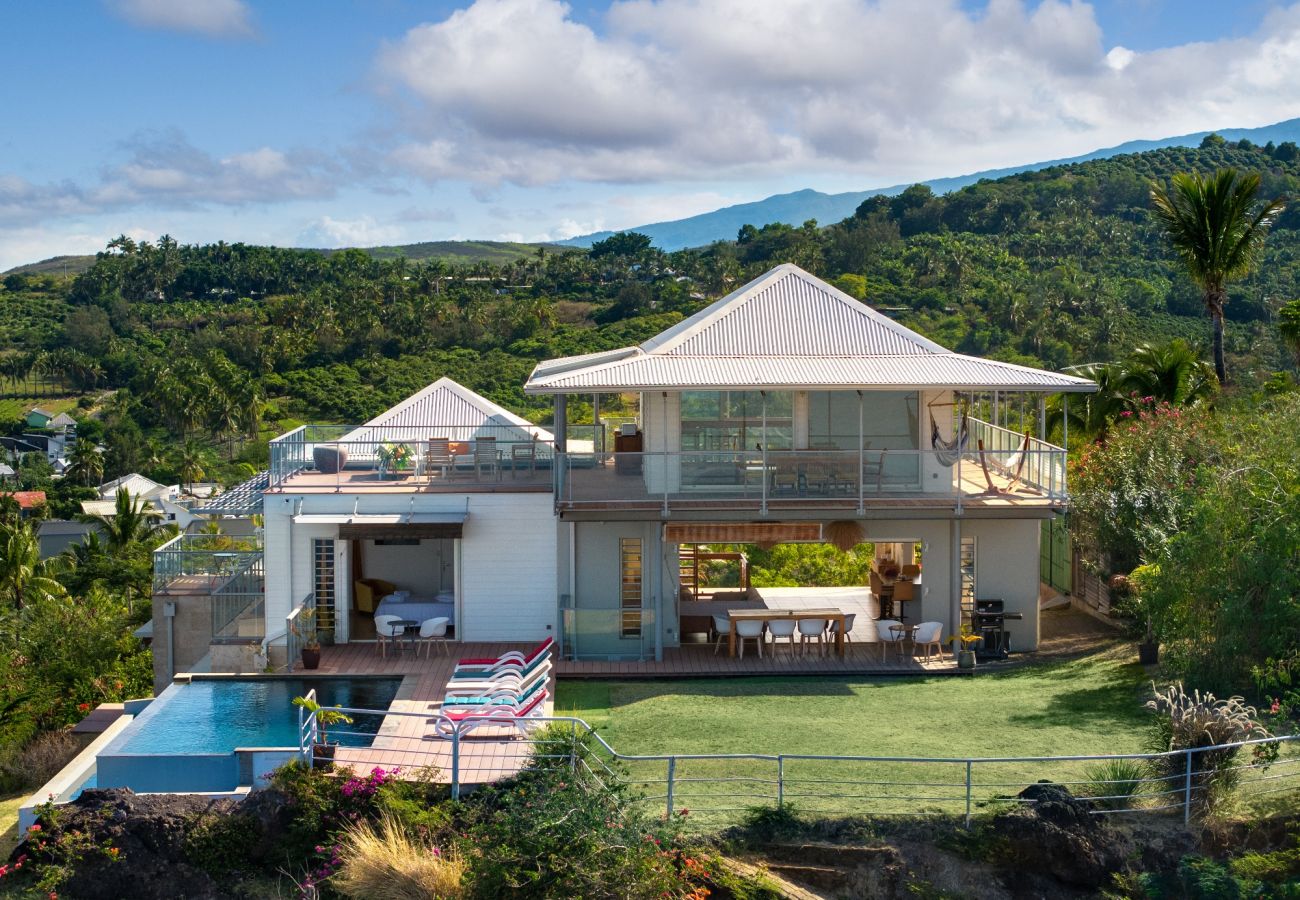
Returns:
(193, 458)
(1213, 230)
(86, 463)
(24, 576)
(132, 523)
(1172, 373)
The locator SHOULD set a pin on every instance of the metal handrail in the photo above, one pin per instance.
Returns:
(676, 784)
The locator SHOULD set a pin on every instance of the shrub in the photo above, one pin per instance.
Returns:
(385, 862)
(768, 823)
(1194, 721)
(38, 761)
(220, 844)
(1117, 783)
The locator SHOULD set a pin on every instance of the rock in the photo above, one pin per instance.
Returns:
(1055, 834)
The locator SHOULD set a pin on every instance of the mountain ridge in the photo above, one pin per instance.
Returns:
(797, 207)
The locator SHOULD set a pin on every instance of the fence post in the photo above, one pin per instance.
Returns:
(969, 763)
(672, 772)
(455, 762)
(780, 780)
(1187, 790)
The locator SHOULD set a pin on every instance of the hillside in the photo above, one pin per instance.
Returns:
(233, 343)
(800, 206)
(449, 252)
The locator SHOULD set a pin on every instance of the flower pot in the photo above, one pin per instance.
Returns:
(310, 657)
(1149, 653)
(329, 460)
(322, 755)
(965, 659)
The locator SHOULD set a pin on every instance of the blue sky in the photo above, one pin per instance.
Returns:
(337, 122)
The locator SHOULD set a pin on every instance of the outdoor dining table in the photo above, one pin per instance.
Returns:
(769, 615)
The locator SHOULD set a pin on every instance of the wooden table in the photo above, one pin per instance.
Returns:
(768, 615)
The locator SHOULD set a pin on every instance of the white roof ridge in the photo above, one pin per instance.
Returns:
(455, 387)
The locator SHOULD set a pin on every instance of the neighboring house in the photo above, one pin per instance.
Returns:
(57, 535)
(29, 502)
(786, 411)
(163, 499)
(38, 418)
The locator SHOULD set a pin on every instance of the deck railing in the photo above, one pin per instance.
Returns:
(379, 455)
(717, 789)
(816, 478)
(215, 557)
(238, 605)
(1044, 463)
(294, 631)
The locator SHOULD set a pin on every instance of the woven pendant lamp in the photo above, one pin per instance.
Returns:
(844, 534)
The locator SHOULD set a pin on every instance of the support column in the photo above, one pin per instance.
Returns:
(954, 602)
(561, 420)
(598, 443)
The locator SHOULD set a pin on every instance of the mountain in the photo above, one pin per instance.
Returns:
(800, 206)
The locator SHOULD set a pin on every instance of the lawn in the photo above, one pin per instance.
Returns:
(9, 822)
(1091, 705)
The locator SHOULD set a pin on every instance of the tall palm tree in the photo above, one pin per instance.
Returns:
(86, 463)
(194, 459)
(24, 576)
(1217, 232)
(1172, 372)
(132, 523)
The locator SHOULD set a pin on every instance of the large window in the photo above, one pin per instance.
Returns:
(322, 557)
(888, 419)
(733, 420)
(631, 579)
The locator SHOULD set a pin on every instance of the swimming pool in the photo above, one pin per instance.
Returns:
(187, 738)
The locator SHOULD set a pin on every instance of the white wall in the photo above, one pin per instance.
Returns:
(661, 420)
(425, 568)
(934, 476)
(1006, 566)
(508, 556)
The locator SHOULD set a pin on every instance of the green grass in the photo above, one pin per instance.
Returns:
(11, 409)
(9, 822)
(1091, 705)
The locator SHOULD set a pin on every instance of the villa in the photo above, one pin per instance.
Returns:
(786, 411)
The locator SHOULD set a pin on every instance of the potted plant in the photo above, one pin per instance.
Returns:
(304, 627)
(963, 645)
(393, 457)
(1135, 588)
(322, 751)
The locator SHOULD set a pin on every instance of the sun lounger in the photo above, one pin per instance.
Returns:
(500, 697)
(501, 680)
(513, 659)
(464, 721)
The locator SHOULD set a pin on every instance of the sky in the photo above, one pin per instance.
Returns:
(328, 123)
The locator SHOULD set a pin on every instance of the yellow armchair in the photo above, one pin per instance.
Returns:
(369, 591)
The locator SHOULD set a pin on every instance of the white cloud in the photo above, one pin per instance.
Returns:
(165, 170)
(211, 18)
(672, 90)
(363, 231)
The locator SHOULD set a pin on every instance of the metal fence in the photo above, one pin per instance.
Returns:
(214, 557)
(719, 789)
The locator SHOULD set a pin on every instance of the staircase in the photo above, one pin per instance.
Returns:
(688, 571)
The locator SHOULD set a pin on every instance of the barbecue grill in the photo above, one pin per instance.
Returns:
(989, 621)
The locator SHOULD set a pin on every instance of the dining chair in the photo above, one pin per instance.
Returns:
(750, 630)
(438, 456)
(848, 627)
(485, 457)
(722, 626)
(387, 631)
(903, 593)
(781, 628)
(884, 606)
(911, 570)
(873, 469)
(886, 636)
(929, 635)
(434, 631)
(523, 455)
(810, 630)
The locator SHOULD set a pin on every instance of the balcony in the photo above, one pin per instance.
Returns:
(390, 458)
(1007, 471)
(202, 563)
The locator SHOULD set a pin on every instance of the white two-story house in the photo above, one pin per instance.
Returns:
(786, 411)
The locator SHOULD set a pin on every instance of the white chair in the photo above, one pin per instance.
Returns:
(810, 630)
(848, 628)
(388, 631)
(752, 630)
(886, 636)
(721, 627)
(434, 631)
(781, 628)
(929, 635)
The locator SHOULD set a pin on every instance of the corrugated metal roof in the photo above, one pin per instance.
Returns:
(244, 499)
(934, 370)
(447, 409)
(788, 328)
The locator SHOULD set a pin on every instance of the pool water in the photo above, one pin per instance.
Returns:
(220, 715)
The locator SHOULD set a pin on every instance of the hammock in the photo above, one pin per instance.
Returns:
(1013, 468)
(949, 452)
